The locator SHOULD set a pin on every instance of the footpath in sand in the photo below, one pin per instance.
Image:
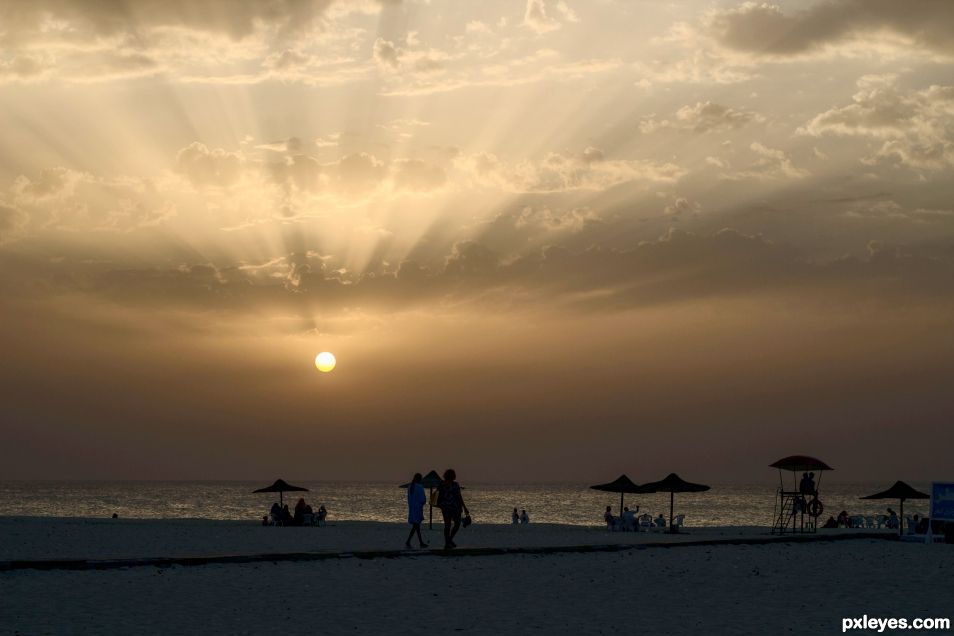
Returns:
(70, 543)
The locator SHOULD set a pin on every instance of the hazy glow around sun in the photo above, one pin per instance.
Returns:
(325, 361)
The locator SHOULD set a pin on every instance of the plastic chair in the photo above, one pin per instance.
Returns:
(645, 523)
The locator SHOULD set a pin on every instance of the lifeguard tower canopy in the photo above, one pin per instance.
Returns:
(800, 463)
(792, 506)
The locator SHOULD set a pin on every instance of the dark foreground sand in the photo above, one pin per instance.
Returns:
(782, 588)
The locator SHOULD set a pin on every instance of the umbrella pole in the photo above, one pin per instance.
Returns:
(672, 528)
(901, 519)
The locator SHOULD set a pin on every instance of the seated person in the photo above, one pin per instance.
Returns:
(893, 521)
(660, 521)
(322, 514)
(299, 516)
(275, 513)
(831, 523)
(524, 517)
(287, 517)
(843, 519)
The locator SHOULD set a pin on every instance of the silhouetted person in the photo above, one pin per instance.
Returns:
(275, 513)
(843, 519)
(803, 486)
(607, 517)
(451, 502)
(415, 509)
(322, 514)
(299, 517)
(812, 489)
(831, 523)
(287, 518)
(524, 517)
(515, 517)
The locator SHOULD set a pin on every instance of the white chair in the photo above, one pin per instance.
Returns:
(645, 523)
(869, 522)
(274, 520)
(857, 521)
(880, 520)
(308, 519)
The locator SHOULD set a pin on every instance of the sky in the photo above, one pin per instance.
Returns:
(546, 240)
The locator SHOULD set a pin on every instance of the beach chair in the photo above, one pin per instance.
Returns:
(857, 521)
(646, 523)
(274, 521)
(627, 524)
(308, 519)
(869, 522)
(880, 519)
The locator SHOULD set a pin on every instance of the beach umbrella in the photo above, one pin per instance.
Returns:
(431, 481)
(800, 463)
(281, 486)
(672, 484)
(899, 491)
(622, 485)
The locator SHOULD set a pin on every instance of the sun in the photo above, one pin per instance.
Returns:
(325, 361)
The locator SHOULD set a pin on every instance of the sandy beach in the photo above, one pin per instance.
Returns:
(719, 589)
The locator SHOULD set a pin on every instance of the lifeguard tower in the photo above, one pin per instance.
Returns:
(798, 508)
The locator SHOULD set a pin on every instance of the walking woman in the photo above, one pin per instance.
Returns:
(415, 509)
(451, 502)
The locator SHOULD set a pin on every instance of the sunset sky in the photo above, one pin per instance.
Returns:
(546, 240)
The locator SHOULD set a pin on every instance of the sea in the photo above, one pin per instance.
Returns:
(566, 503)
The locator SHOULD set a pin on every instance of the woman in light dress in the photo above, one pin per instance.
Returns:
(415, 509)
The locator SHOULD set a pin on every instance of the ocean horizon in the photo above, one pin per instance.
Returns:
(726, 504)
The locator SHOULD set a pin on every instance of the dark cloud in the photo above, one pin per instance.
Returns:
(132, 18)
(679, 267)
(764, 28)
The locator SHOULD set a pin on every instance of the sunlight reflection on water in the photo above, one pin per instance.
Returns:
(724, 505)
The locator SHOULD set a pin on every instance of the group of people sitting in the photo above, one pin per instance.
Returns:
(523, 517)
(844, 520)
(280, 515)
(628, 520)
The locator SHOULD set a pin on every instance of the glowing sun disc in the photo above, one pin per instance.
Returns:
(325, 361)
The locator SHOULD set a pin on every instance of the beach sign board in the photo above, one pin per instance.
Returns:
(942, 501)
